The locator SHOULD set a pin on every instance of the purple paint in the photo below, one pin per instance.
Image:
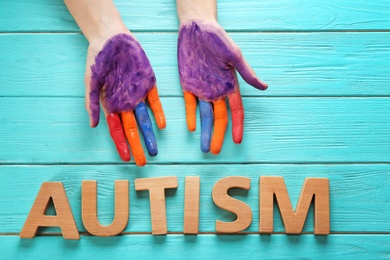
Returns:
(122, 73)
(207, 61)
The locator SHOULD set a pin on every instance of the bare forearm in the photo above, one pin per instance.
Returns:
(96, 18)
(196, 9)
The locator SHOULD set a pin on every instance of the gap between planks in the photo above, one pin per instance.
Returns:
(192, 163)
(243, 96)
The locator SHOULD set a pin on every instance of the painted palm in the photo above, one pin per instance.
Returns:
(121, 78)
(208, 60)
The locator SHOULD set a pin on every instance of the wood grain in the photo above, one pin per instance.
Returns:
(367, 184)
(155, 15)
(303, 64)
(277, 130)
(324, 115)
(201, 247)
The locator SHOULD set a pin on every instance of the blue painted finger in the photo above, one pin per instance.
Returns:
(143, 121)
(206, 121)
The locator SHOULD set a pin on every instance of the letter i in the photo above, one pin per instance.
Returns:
(191, 205)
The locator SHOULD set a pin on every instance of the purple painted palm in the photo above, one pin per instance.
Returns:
(122, 77)
(208, 60)
(123, 74)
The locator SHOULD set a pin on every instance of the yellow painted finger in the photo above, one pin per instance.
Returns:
(132, 135)
(155, 105)
(190, 101)
(220, 125)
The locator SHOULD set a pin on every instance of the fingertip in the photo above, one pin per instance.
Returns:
(124, 152)
(205, 145)
(191, 126)
(156, 106)
(248, 74)
(217, 143)
(255, 82)
(118, 136)
(237, 137)
(141, 161)
(215, 149)
(93, 123)
(94, 115)
(151, 146)
(220, 125)
(190, 104)
(262, 85)
(143, 121)
(153, 153)
(132, 135)
(238, 127)
(237, 113)
(138, 153)
(161, 123)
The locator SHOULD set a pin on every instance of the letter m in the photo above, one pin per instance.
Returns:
(293, 221)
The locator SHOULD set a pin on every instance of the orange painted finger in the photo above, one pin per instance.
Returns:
(237, 111)
(155, 105)
(190, 101)
(132, 135)
(220, 124)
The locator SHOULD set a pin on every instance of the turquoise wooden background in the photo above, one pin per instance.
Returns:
(325, 114)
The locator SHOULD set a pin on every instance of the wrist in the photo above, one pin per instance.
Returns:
(201, 10)
(97, 19)
(105, 30)
(197, 16)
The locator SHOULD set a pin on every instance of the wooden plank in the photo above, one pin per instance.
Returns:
(277, 130)
(200, 247)
(358, 193)
(304, 64)
(47, 15)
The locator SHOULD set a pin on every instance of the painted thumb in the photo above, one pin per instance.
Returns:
(247, 73)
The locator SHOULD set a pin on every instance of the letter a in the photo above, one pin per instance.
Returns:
(64, 218)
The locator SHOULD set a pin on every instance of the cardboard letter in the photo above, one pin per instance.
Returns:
(191, 205)
(89, 209)
(224, 201)
(64, 218)
(294, 221)
(156, 188)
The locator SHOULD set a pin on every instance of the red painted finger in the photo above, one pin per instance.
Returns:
(132, 135)
(117, 134)
(190, 102)
(220, 124)
(237, 111)
(155, 105)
